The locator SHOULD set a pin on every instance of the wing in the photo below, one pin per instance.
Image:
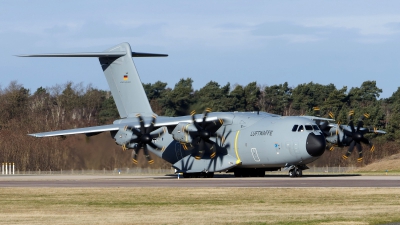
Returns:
(316, 118)
(86, 130)
(120, 124)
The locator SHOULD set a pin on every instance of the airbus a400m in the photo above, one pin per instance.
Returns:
(246, 143)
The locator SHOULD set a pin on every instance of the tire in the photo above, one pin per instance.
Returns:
(299, 172)
(292, 173)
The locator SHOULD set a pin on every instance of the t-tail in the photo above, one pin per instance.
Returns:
(122, 77)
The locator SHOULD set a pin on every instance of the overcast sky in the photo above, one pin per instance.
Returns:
(271, 42)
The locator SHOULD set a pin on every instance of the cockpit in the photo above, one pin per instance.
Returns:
(301, 128)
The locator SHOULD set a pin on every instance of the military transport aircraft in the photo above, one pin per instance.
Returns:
(197, 145)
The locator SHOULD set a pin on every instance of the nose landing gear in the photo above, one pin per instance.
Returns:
(296, 170)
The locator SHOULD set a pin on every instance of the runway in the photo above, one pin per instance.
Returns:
(87, 181)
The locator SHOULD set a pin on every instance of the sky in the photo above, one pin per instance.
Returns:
(271, 42)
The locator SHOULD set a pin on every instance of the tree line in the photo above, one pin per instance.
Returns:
(67, 106)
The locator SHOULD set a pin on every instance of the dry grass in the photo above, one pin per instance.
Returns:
(391, 163)
(199, 205)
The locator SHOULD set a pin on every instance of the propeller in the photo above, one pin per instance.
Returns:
(143, 139)
(355, 137)
(201, 136)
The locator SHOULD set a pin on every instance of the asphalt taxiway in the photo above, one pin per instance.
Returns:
(87, 181)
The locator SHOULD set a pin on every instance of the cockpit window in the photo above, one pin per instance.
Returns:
(308, 127)
(301, 129)
(295, 128)
(315, 127)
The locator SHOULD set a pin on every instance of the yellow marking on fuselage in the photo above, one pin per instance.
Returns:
(186, 133)
(238, 161)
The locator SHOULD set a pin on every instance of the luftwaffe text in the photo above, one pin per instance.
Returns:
(261, 132)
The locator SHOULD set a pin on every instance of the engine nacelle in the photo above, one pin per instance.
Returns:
(180, 133)
(123, 136)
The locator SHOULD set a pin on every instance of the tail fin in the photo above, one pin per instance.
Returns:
(122, 77)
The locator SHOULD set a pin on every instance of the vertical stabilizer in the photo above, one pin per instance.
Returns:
(121, 75)
(124, 82)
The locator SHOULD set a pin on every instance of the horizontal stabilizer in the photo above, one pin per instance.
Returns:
(95, 54)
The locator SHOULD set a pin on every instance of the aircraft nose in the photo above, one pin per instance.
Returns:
(315, 144)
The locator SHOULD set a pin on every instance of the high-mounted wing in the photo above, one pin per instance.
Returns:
(120, 124)
(85, 130)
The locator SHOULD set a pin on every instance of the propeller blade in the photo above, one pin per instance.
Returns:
(351, 124)
(201, 150)
(213, 148)
(151, 127)
(323, 126)
(198, 127)
(141, 121)
(134, 131)
(205, 113)
(360, 124)
(349, 151)
(134, 156)
(359, 149)
(348, 133)
(146, 154)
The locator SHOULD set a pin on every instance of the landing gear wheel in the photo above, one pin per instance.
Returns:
(299, 172)
(292, 173)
